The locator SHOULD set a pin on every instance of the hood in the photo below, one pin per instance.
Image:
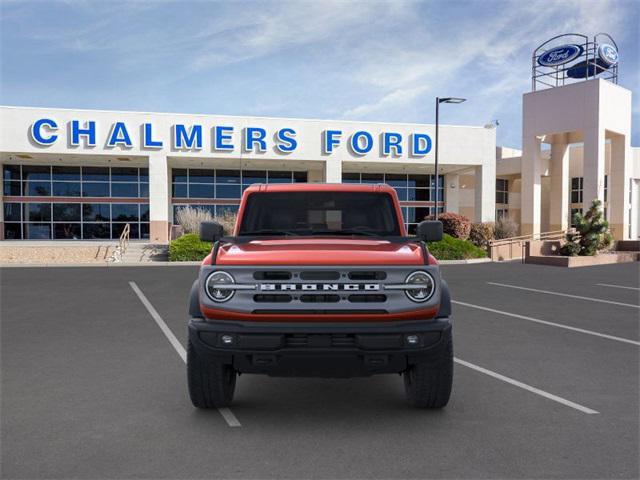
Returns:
(320, 251)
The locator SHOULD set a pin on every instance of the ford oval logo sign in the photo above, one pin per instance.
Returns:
(560, 55)
(608, 54)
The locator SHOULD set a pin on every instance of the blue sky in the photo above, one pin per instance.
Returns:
(355, 60)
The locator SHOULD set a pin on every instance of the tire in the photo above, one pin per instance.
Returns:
(428, 384)
(211, 383)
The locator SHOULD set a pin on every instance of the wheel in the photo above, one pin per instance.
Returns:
(211, 383)
(428, 384)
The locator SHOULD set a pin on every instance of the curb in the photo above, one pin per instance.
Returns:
(464, 262)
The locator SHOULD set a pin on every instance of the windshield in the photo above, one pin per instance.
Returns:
(319, 213)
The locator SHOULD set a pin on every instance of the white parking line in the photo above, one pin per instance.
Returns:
(579, 297)
(227, 414)
(529, 388)
(616, 286)
(545, 322)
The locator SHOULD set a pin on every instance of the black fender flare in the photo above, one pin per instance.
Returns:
(194, 301)
(445, 301)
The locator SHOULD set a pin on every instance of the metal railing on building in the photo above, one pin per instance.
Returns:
(123, 244)
(515, 247)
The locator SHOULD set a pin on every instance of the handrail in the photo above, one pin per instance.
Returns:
(535, 236)
(123, 244)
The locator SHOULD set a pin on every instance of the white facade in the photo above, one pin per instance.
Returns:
(328, 151)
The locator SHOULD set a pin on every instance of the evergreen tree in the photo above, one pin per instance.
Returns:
(591, 235)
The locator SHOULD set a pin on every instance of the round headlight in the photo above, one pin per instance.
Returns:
(425, 286)
(216, 292)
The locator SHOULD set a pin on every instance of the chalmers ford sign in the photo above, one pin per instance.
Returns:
(196, 137)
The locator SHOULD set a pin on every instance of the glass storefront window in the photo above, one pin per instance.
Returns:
(197, 190)
(66, 189)
(227, 176)
(226, 191)
(12, 189)
(250, 177)
(66, 212)
(95, 174)
(91, 189)
(69, 231)
(37, 212)
(37, 189)
(124, 190)
(124, 212)
(36, 172)
(12, 212)
(11, 172)
(96, 231)
(279, 177)
(66, 173)
(37, 231)
(96, 212)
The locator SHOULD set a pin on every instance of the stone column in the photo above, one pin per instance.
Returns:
(593, 167)
(559, 196)
(531, 186)
(333, 171)
(618, 188)
(485, 192)
(159, 198)
(451, 194)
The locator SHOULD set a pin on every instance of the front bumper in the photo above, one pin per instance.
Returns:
(320, 350)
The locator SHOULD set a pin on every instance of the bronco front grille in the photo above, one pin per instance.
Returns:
(320, 290)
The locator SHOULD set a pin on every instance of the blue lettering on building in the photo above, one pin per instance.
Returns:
(330, 139)
(44, 132)
(119, 136)
(38, 135)
(420, 144)
(390, 141)
(222, 137)
(89, 132)
(147, 137)
(184, 138)
(286, 141)
(255, 136)
(361, 142)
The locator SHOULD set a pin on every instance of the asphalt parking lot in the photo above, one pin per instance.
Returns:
(546, 385)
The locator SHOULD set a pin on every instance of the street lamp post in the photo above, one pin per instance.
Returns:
(438, 102)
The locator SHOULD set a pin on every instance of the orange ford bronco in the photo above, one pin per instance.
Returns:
(320, 280)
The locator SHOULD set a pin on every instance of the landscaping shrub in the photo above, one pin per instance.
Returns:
(505, 228)
(189, 247)
(190, 218)
(591, 235)
(457, 226)
(450, 248)
(481, 234)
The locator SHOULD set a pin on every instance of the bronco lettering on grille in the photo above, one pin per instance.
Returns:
(319, 286)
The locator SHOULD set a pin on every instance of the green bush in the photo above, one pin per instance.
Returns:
(188, 247)
(591, 235)
(450, 248)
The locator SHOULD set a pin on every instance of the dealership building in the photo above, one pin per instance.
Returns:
(85, 174)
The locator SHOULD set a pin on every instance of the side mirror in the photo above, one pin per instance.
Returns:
(211, 231)
(430, 231)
